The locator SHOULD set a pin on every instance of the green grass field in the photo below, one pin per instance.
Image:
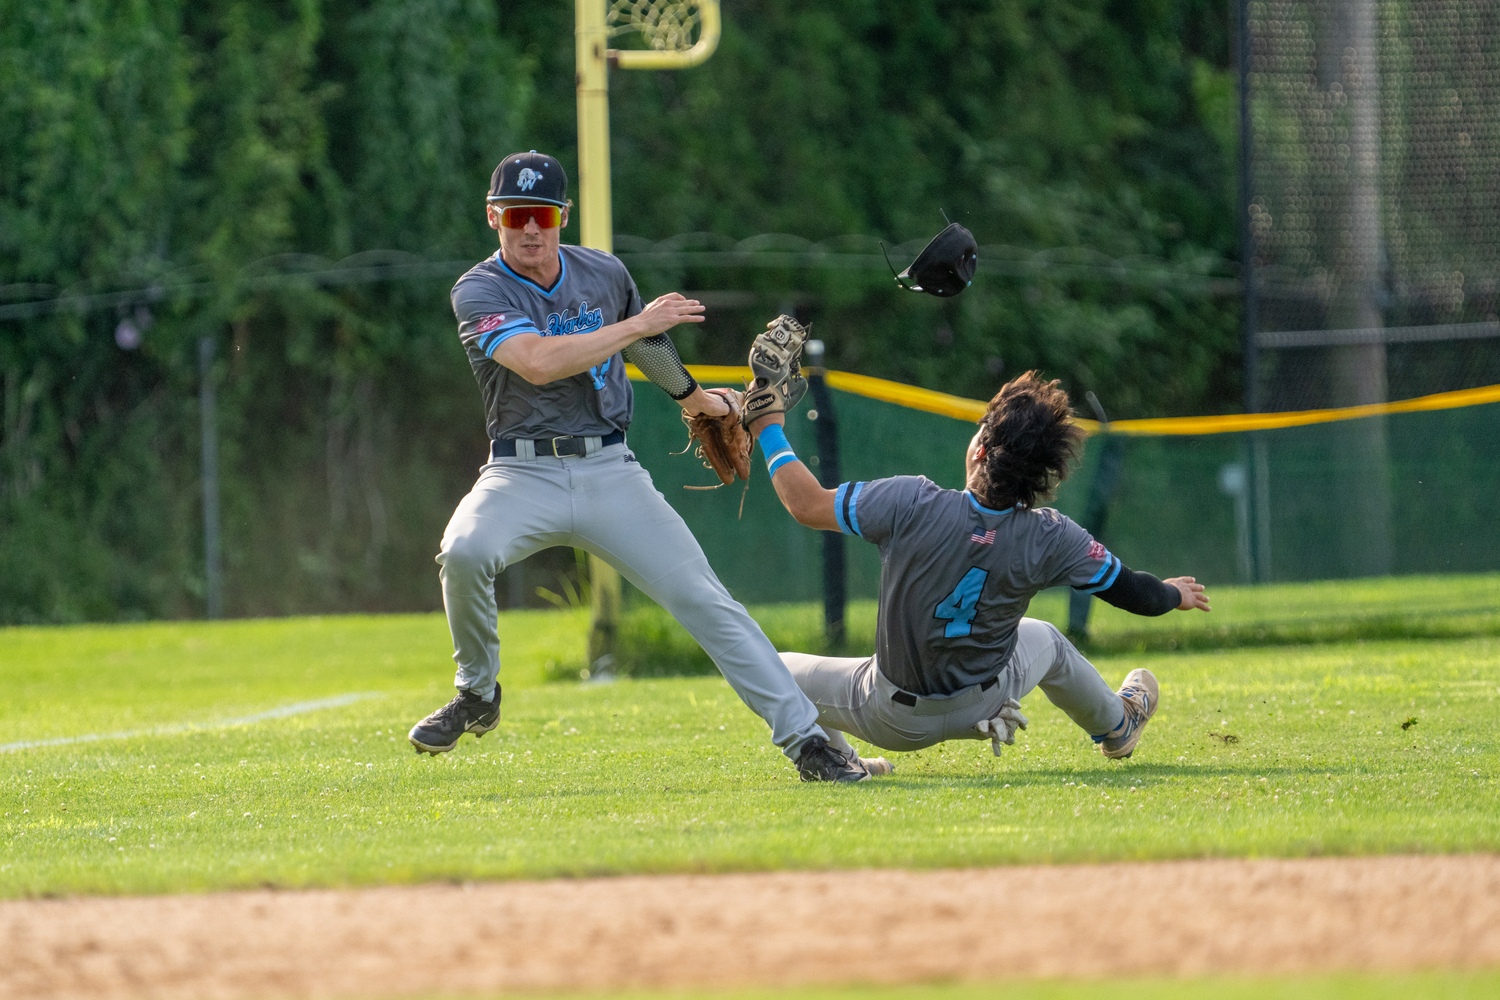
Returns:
(1290, 750)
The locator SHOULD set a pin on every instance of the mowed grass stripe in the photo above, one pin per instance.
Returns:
(78, 680)
(1348, 986)
(285, 711)
(1277, 751)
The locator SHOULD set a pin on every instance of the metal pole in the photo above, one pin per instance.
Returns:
(825, 423)
(213, 592)
(1095, 522)
(1247, 237)
(1348, 47)
(1255, 453)
(1096, 514)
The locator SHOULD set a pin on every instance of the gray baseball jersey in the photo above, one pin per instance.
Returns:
(956, 577)
(494, 303)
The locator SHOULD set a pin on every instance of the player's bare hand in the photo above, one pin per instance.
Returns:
(1192, 593)
(667, 311)
(709, 402)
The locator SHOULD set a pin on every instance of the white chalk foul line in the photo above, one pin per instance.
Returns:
(299, 708)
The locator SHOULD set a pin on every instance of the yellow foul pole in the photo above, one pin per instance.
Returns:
(596, 229)
(595, 220)
(596, 223)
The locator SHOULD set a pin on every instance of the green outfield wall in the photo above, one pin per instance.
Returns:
(1181, 503)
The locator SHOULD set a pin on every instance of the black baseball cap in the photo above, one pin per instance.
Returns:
(945, 266)
(533, 176)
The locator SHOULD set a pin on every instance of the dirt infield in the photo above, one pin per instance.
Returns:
(1186, 917)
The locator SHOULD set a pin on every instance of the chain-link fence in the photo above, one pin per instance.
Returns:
(1375, 198)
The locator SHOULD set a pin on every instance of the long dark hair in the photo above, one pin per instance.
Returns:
(1029, 441)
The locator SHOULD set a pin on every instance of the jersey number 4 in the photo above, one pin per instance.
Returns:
(960, 606)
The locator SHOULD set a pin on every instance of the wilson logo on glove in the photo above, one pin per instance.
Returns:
(723, 442)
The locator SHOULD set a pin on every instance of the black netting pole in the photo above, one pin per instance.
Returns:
(1096, 514)
(213, 590)
(1247, 236)
(1258, 572)
(827, 430)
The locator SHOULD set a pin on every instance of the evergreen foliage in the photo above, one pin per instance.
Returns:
(159, 141)
(1083, 127)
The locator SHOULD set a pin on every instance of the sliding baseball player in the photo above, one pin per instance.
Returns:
(954, 653)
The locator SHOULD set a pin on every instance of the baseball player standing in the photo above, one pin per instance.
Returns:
(953, 654)
(547, 329)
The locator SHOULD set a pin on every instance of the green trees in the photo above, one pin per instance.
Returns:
(198, 148)
(172, 143)
(1072, 126)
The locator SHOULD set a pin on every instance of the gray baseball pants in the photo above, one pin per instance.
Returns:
(607, 505)
(854, 697)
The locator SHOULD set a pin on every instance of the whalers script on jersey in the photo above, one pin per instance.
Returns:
(493, 304)
(586, 321)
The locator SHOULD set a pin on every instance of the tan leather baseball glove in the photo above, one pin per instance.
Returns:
(723, 443)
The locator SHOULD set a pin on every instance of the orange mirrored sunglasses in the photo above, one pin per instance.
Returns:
(516, 216)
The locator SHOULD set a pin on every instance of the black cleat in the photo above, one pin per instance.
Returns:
(821, 762)
(466, 713)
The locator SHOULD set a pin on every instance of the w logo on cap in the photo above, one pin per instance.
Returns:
(530, 175)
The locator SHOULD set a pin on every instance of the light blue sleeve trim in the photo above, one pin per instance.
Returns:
(495, 338)
(853, 510)
(838, 507)
(1108, 561)
(1113, 567)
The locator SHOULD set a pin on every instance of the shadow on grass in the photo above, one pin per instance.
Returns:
(1456, 625)
(651, 644)
(1055, 779)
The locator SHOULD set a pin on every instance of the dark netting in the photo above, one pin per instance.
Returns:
(1183, 504)
(1376, 198)
(1178, 505)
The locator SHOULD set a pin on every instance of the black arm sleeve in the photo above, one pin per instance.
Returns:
(657, 359)
(1141, 594)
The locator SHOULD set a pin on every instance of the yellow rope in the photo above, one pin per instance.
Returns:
(707, 374)
(1234, 422)
(971, 410)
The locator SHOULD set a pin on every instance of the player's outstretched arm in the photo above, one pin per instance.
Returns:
(1143, 594)
(540, 360)
(800, 492)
